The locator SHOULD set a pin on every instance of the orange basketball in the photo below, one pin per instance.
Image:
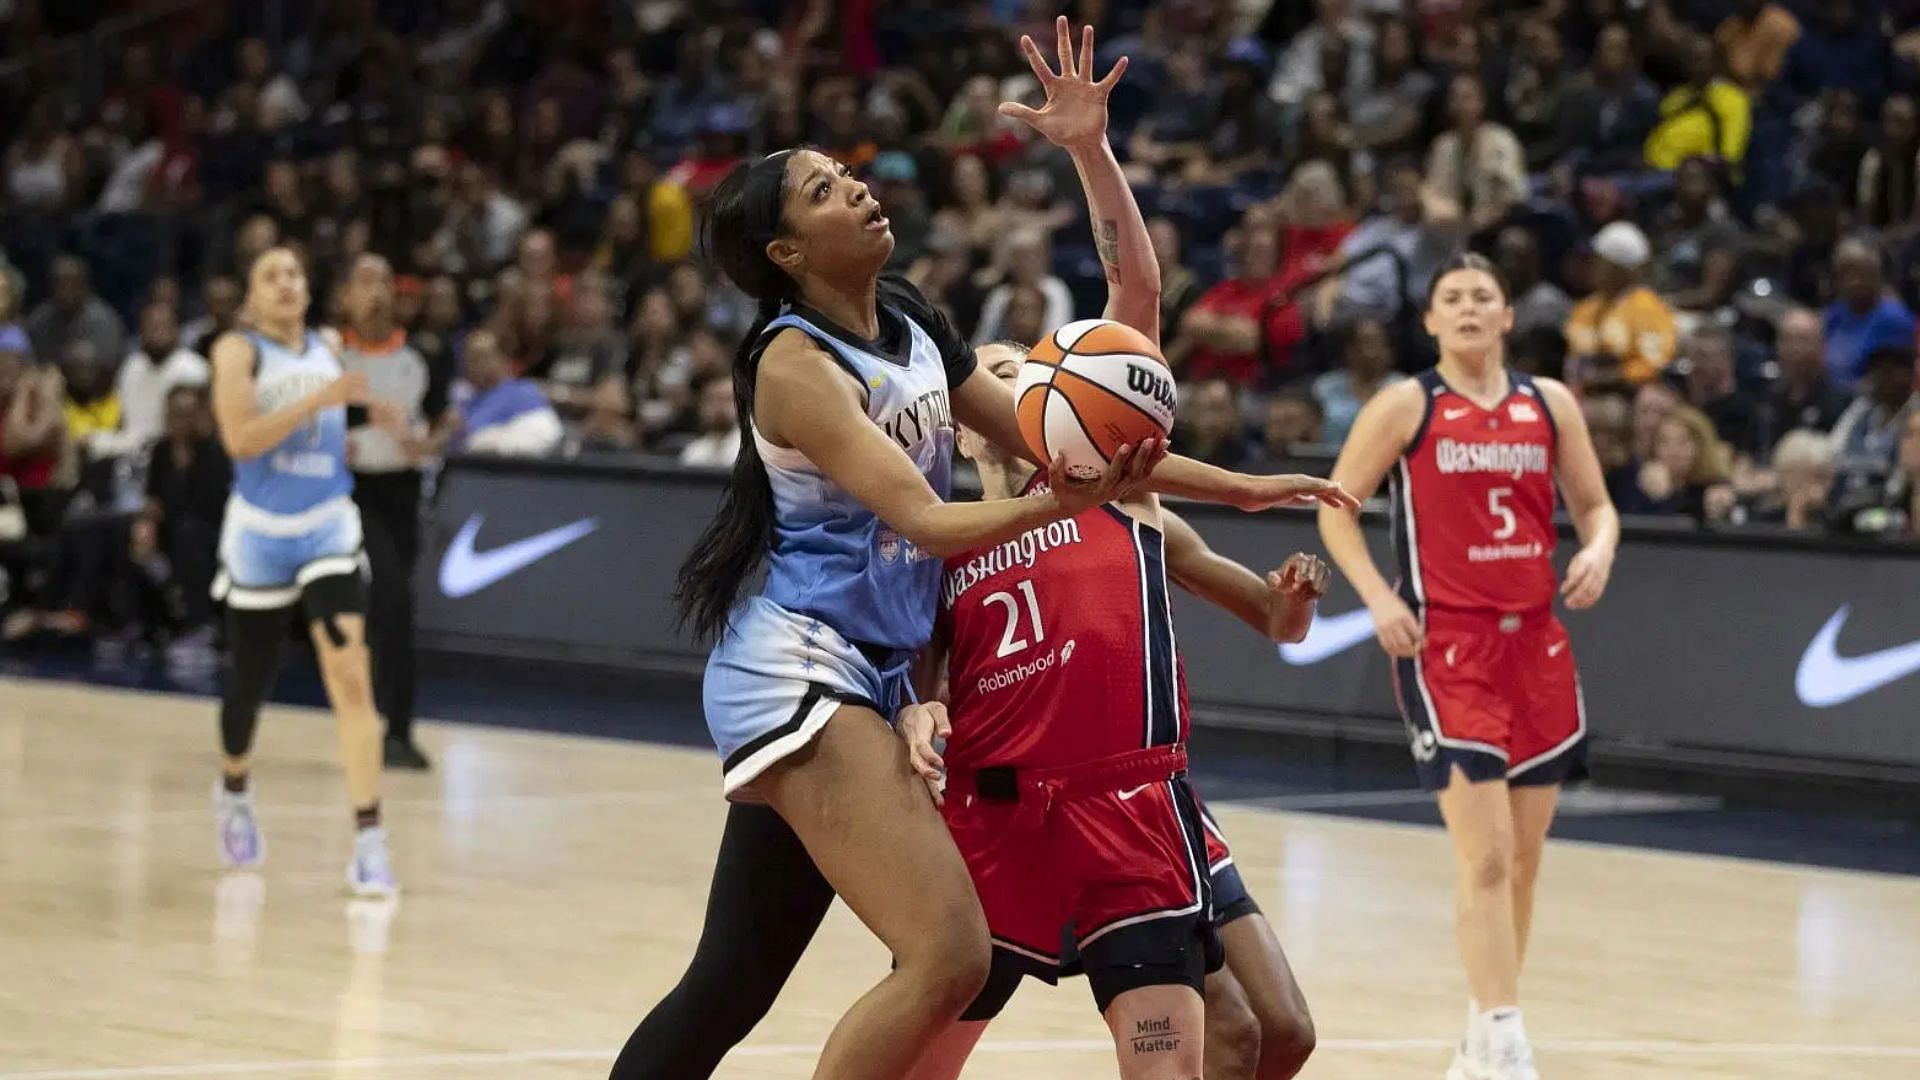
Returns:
(1089, 388)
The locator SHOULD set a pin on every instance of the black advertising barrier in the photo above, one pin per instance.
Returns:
(1738, 644)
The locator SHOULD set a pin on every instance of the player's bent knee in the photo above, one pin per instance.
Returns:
(1286, 1043)
(1233, 1045)
(951, 961)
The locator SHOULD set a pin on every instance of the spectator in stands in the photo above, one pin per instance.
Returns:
(895, 178)
(74, 312)
(1701, 240)
(1615, 108)
(1179, 286)
(1540, 93)
(1866, 438)
(1835, 154)
(1242, 329)
(1755, 39)
(45, 171)
(92, 405)
(971, 211)
(151, 371)
(1864, 316)
(1538, 304)
(1294, 420)
(1387, 115)
(222, 296)
(1409, 224)
(33, 433)
(1889, 185)
(1246, 135)
(718, 442)
(1652, 404)
(1610, 421)
(1843, 47)
(188, 476)
(1802, 477)
(1301, 67)
(1476, 164)
(1212, 428)
(1367, 366)
(501, 414)
(1705, 116)
(608, 426)
(1804, 397)
(1624, 332)
(1025, 260)
(1688, 461)
(1172, 140)
(1737, 418)
(590, 347)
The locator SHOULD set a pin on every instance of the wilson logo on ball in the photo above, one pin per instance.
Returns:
(1089, 388)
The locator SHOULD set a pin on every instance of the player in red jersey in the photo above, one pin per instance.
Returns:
(1483, 669)
(1065, 757)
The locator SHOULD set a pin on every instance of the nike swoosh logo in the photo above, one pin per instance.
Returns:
(1329, 635)
(1455, 414)
(1125, 795)
(1825, 678)
(465, 571)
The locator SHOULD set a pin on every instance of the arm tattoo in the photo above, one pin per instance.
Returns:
(1106, 240)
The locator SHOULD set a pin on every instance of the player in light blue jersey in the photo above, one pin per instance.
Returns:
(291, 540)
(848, 390)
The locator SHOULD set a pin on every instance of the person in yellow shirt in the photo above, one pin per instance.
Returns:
(1624, 332)
(1755, 40)
(1706, 116)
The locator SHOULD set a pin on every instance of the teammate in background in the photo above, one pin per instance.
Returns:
(292, 539)
(1065, 760)
(847, 388)
(1483, 670)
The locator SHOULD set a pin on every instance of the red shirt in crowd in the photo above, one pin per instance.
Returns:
(1282, 327)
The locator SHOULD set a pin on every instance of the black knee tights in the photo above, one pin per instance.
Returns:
(766, 903)
(254, 642)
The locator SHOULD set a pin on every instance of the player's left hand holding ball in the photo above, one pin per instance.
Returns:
(919, 725)
(1587, 577)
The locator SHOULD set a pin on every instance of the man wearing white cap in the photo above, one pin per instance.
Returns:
(1624, 332)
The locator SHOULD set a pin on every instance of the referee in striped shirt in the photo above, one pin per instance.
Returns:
(386, 485)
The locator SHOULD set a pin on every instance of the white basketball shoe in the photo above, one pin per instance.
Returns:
(238, 828)
(370, 872)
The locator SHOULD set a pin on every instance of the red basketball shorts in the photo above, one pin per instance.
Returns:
(1497, 694)
(1110, 858)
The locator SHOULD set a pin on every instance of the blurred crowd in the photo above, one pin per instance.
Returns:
(1705, 208)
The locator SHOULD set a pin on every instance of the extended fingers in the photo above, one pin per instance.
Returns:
(1119, 68)
(1063, 40)
(1034, 60)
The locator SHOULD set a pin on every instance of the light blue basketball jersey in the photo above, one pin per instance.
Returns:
(309, 467)
(833, 559)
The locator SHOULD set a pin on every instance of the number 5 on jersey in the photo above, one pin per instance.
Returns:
(1497, 506)
(1008, 643)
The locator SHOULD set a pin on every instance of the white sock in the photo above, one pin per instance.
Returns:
(1503, 1026)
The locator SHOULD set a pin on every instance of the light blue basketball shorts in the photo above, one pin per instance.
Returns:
(776, 678)
(267, 560)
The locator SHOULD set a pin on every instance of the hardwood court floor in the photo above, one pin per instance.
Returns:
(554, 888)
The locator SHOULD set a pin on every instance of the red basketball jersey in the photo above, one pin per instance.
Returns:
(1473, 500)
(1061, 645)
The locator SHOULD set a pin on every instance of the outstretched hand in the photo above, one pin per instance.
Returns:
(1075, 113)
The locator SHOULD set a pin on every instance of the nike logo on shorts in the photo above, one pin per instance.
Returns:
(1125, 795)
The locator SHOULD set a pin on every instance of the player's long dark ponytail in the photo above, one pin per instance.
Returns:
(742, 217)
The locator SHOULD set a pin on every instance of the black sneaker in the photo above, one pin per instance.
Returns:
(403, 754)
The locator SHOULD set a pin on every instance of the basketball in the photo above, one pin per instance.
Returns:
(1089, 388)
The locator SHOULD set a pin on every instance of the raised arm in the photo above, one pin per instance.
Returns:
(244, 430)
(1074, 118)
(1584, 487)
(805, 401)
(1380, 435)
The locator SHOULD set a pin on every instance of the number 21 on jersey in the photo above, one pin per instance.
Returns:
(1009, 642)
